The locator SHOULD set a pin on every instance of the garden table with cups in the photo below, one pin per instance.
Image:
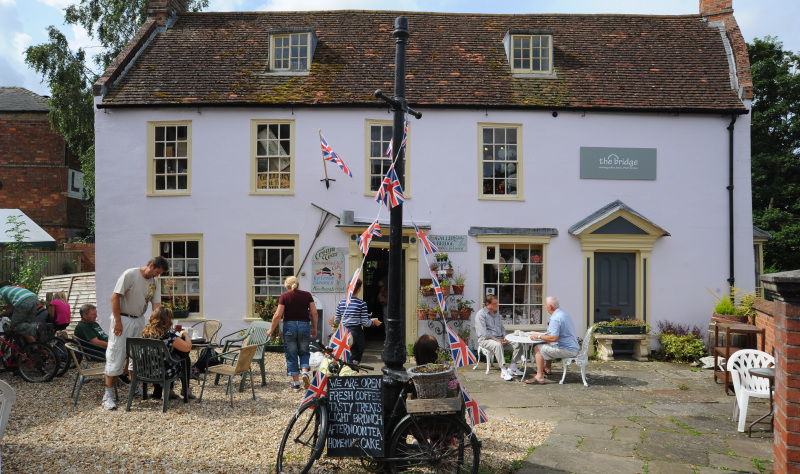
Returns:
(524, 338)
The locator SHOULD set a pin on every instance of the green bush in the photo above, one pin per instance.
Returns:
(725, 306)
(688, 348)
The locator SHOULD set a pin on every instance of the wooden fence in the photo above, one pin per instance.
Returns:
(59, 262)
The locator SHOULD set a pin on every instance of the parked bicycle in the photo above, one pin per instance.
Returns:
(418, 442)
(34, 362)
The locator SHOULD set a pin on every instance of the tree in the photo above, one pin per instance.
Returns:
(775, 145)
(26, 272)
(113, 23)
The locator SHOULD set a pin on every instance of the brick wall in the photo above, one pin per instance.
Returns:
(34, 171)
(765, 319)
(87, 255)
(785, 287)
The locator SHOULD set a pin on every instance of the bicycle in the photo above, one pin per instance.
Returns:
(419, 442)
(34, 362)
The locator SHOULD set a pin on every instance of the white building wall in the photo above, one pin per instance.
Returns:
(689, 198)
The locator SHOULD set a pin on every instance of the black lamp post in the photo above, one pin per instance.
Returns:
(394, 352)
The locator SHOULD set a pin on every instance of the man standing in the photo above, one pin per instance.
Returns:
(560, 340)
(135, 288)
(22, 305)
(492, 336)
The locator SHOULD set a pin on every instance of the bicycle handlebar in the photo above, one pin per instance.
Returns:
(329, 352)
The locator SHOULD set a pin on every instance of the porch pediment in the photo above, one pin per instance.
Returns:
(617, 218)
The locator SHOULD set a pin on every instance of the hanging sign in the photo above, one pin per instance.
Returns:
(327, 266)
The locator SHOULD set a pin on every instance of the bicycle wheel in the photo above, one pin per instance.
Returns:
(434, 444)
(37, 363)
(60, 350)
(304, 439)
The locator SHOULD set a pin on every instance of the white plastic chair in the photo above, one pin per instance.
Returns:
(487, 354)
(746, 385)
(7, 399)
(582, 359)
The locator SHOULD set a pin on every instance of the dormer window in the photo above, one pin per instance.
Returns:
(291, 51)
(530, 52)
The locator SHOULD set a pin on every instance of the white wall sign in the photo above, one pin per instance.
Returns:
(328, 267)
(75, 188)
(450, 243)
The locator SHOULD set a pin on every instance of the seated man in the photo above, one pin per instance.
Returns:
(492, 336)
(88, 330)
(24, 304)
(560, 339)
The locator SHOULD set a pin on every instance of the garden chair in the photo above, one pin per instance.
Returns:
(7, 399)
(244, 359)
(211, 328)
(149, 357)
(582, 359)
(85, 369)
(746, 385)
(256, 335)
(487, 354)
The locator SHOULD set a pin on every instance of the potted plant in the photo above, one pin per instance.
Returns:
(458, 284)
(265, 309)
(622, 326)
(434, 313)
(445, 284)
(431, 380)
(427, 290)
(179, 304)
(465, 308)
(464, 333)
(727, 311)
(422, 310)
(449, 271)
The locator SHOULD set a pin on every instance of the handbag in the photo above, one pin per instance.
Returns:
(208, 357)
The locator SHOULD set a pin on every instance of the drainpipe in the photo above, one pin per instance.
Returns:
(731, 279)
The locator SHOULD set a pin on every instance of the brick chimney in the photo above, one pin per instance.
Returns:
(161, 10)
(722, 11)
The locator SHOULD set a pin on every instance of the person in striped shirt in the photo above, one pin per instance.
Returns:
(24, 303)
(354, 316)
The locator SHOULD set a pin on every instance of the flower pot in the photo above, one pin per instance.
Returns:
(458, 289)
(430, 385)
(449, 273)
(422, 314)
(180, 313)
(427, 292)
(446, 290)
(432, 315)
(465, 314)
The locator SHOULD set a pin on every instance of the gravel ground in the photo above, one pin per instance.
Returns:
(45, 433)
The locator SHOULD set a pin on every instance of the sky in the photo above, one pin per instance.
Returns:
(24, 23)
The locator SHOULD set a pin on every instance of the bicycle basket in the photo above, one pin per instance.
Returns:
(430, 385)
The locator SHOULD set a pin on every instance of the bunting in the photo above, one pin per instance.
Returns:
(474, 411)
(374, 230)
(427, 244)
(439, 294)
(462, 354)
(351, 288)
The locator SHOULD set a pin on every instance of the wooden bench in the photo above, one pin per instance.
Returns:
(641, 345)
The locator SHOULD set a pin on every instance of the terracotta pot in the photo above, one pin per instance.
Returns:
(432, 315)
(449, 273)
(422, 314)
(426, 292)
(465, 314)
(458, 289)
(445, 290)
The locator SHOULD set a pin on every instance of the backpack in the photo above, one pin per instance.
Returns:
(207, 358)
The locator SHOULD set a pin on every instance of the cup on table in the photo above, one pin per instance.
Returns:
(178, 328)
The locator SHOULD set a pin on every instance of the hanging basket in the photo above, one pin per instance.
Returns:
(431, 385)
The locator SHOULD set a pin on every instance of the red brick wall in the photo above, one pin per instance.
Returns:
(787, 387)
(35, 174)
(87, 255)
(766, 320)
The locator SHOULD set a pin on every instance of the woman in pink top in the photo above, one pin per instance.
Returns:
(60, 311)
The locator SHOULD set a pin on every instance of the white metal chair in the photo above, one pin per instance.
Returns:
(746, 385)
(7, 399)
(487, 354)
(582, 359)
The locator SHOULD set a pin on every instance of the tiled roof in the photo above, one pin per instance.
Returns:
(612, 62)
(17, 99)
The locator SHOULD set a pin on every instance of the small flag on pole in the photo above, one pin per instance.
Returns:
(329, 155)
(317, 388)
(339, 345)
(474, 411)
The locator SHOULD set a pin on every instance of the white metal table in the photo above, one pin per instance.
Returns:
(527, 348)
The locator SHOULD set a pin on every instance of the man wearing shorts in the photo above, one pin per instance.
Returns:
(560, 340)
(135, 288)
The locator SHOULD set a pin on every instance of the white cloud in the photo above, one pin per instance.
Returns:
(60, 4)
(7, 2)
(21, 42)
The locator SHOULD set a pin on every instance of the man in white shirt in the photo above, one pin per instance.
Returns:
(560, 340)
(492, 336)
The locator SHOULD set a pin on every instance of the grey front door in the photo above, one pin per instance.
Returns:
(614, 286)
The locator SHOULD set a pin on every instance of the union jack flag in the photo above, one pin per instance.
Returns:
(351, 288)
(329, 155)
(390, 192)
(427, 245)
(405, 139)
(339, 345)
(474, 411)
(318, 387)
(462, 354)
(439, 294)
(374, 230)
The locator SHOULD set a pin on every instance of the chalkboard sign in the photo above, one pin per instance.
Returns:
(355, 416)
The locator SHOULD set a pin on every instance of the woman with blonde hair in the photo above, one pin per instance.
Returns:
(160, 327)
(296, 308)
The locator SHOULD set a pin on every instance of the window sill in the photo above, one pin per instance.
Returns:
(182, 192)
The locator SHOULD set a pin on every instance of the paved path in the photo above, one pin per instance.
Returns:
(651, 417)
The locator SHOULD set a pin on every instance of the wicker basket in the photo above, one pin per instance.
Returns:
(430, 385)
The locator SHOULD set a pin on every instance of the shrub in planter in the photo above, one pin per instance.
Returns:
(622, 326)
(686, 348)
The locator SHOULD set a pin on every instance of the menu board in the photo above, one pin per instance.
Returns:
(355, 416)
